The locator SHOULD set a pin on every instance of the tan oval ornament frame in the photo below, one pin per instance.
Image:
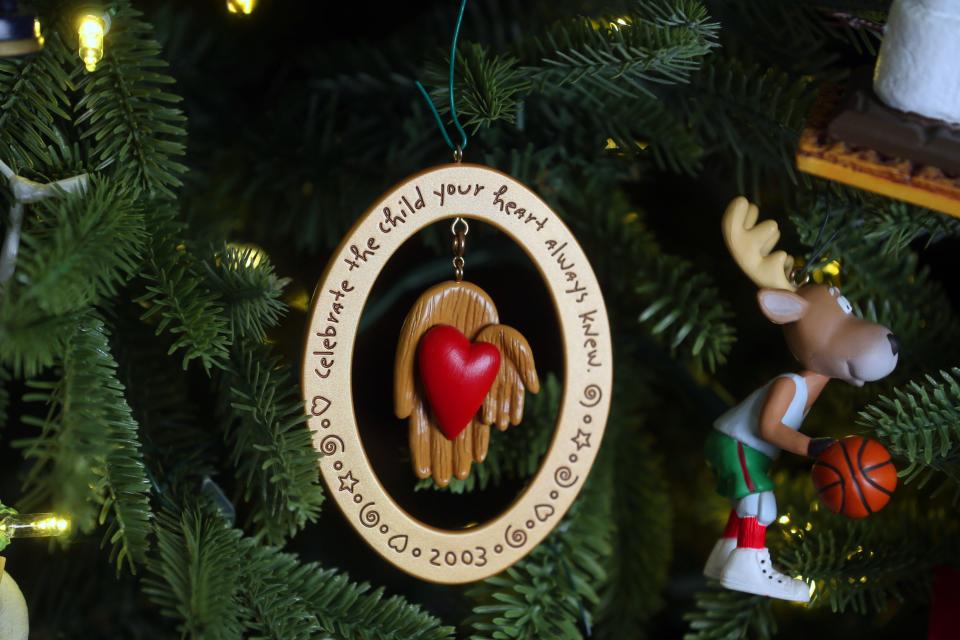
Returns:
(484, 194)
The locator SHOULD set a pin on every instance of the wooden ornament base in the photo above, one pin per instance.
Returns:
(442, 193)
(821, 155)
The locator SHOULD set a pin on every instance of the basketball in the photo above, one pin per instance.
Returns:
(855, 477)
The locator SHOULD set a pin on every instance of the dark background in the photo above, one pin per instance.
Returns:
(224, 94)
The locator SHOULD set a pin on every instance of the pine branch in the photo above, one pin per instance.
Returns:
(270, 444)
(644, 128)
(87, 454)
(33, 101)
(730, 615)
(921, 422)
(861, 565)
(489, 87)
(515, 453)
(272, 596)
(677, 305)
(4, 396)
(220, 585)
(552, 592)
(751, 114)
(78, 249)
(31, 341)
(643, 541)
(129, 120)
(197, 574)
(352, 611)
(244, 279)
(180, 300)
(685, 310)
(889, 226)
(180, 446)
(656, 43)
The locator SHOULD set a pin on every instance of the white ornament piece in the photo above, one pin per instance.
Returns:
(14, 623)
(918, 68)
(750, 570)
(718, 557)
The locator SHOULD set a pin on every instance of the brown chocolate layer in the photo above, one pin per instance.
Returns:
(863, 120)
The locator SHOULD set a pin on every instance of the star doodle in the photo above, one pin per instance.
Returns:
(348, 482)
(582, 439)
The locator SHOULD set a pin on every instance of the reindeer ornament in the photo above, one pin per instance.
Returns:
(829, 341)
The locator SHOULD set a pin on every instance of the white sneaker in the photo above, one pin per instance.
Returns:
(750, 570)
(718, 557)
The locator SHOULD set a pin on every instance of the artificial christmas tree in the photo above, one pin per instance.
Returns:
(153, 320)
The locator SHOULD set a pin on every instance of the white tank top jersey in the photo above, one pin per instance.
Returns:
(742, 422)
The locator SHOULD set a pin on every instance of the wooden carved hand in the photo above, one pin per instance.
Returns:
(469, 309)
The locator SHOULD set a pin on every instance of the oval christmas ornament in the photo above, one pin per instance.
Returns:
(476, 372)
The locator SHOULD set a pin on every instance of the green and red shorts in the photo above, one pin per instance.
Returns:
(740, 469)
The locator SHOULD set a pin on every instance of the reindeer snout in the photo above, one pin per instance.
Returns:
(894, 344)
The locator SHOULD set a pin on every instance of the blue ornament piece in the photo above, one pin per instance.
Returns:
(19, 32)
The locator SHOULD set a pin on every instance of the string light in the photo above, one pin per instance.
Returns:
(244, 7)
(38, 32)
(91, 30)
(251, 255)
(30, 525)
(620, 22)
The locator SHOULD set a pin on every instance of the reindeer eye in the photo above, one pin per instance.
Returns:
(845, 305)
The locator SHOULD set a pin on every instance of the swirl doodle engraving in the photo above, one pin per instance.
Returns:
(516, 538)
(328, 446)
(592, 394)
(370, 518)
(564, 477)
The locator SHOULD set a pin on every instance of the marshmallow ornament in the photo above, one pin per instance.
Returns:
(918, 68)
(14, 623)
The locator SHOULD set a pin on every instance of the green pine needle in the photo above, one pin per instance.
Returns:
(862, 565)
(271, 447)
(128, 118)
(489, 87)
(178, 297)
(272, 596)
(643, 540)
(685, 310)
(4, 396)
(33, 101)
(219, 585)
(921, 423)
(196, 575)
(87, 458)
(553, 591)
(752, 114)
(30, 340)
(354, 611)
(245, 282)
(731, 615)
(628, 55)
(78, 248)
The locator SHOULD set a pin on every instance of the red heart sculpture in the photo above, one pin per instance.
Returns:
(456, 375)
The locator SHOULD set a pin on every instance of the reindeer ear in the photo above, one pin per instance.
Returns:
(781, 306)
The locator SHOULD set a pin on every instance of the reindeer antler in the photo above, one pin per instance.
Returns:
(750, 245)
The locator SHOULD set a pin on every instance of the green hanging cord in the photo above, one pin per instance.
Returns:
(453, 106)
